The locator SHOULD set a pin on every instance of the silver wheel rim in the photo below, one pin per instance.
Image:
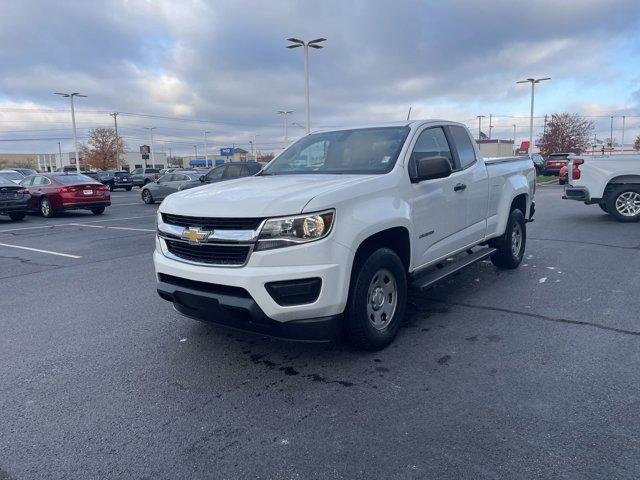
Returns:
(516, 239)
(382, 299)
(45, 207)
(628, 204)
(146, 196)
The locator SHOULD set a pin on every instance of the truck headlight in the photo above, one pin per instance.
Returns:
(286, 231)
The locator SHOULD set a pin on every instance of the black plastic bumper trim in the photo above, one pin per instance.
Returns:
(295, 292)
(243, 313)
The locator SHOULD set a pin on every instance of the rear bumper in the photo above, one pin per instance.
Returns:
(122, 184)
(576, 193)
(11, 207)
(82, 205)
(234, 307)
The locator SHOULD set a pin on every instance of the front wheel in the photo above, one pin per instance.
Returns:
(147, 197)
(623, 202)
(377, 300)
(603, 207)
(510, 246)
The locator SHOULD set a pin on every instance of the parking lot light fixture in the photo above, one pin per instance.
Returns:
(480, 117)
(284, 114)
(206, 149)
(533, 82)
(295, 43)
(153, 150)
(73, 121)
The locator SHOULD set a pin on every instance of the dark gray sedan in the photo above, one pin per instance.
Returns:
(167, 184)
(14, 200)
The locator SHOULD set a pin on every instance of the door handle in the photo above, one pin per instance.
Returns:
(459, 187)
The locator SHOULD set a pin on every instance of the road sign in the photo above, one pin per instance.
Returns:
(145, 149)
(227, 152)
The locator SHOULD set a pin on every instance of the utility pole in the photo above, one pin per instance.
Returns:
(514, 138)
(480, 117)
(533, 82)
(490, 125)
(295, 43)
(206, 164)
(115, 122)
(284, 114)
(60, 151)
(73, 121)
(622, 141)
(611, 136)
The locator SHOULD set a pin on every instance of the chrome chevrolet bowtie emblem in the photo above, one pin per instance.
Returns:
(195, 236)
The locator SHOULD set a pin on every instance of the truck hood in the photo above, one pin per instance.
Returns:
(258, 196)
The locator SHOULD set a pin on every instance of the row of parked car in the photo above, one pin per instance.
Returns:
(50, 193)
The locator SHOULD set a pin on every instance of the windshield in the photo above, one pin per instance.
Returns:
(358, 151)
(69, 179)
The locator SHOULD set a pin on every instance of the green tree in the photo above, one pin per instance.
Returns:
(566, 132)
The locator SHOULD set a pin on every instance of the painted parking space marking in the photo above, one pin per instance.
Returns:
(60, 254)
(114, 228)
(72, 224)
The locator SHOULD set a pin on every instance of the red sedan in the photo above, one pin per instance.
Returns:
(55, 192)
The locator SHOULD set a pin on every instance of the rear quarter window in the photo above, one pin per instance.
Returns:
(463, 145)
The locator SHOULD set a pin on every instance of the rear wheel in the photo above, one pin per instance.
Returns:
(146, 180)
(98, 210)
(510, 246)
(377, 300)
(128, 188)
(17, 216)
(604, 208)
(147, 197)
(111, 187)
(623, 202)
(45, 208)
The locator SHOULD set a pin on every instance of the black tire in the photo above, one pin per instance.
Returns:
(46, 209)
(17, 216)
(128, 189)
(603, 207)
(146, 180)
(381, 265)
(622, 200)
(147, 197)
(509, 255)
(111, 187)
(98, 210)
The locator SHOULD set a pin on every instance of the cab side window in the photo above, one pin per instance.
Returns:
(233, 171)
(215, 174)
(463, 145)
(432, 142)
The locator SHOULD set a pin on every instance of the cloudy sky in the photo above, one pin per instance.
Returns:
(221, 65)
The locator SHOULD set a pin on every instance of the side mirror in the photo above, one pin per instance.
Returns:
(202, 178)
(430, 168)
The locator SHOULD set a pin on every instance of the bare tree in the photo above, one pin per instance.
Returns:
(566, 132)
(636, 144)
(100, 149)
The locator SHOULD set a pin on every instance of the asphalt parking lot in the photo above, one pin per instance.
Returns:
(531, 373)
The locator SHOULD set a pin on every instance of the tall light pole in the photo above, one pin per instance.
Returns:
(611, 136)
(153, 150)
(480, 117)
(73, 121)
(195, 147)
(60, 150)
(533, 82)
(284, 114)
(490, 125)
(206, 149)
(295, 43)
(514, 138)
(115, 122)
(622, 140)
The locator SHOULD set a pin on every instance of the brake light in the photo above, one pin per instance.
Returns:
(575, 173)
(63, 190)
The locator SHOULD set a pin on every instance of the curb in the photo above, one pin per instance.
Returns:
(549, 182)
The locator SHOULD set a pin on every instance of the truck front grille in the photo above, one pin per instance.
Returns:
(212, 254)
(208, 223)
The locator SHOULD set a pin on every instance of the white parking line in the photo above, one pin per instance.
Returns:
(114, 228)
(40, 251)
(125, 204)
(72, 224)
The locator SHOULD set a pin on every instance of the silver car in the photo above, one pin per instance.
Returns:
(167, 184)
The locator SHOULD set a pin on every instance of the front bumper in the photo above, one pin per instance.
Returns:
(234, 307)
(262, 268)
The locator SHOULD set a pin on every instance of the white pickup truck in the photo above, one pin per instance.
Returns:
(329, 236)
(611, 181)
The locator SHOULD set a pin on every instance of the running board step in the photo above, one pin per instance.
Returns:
(435, 274)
